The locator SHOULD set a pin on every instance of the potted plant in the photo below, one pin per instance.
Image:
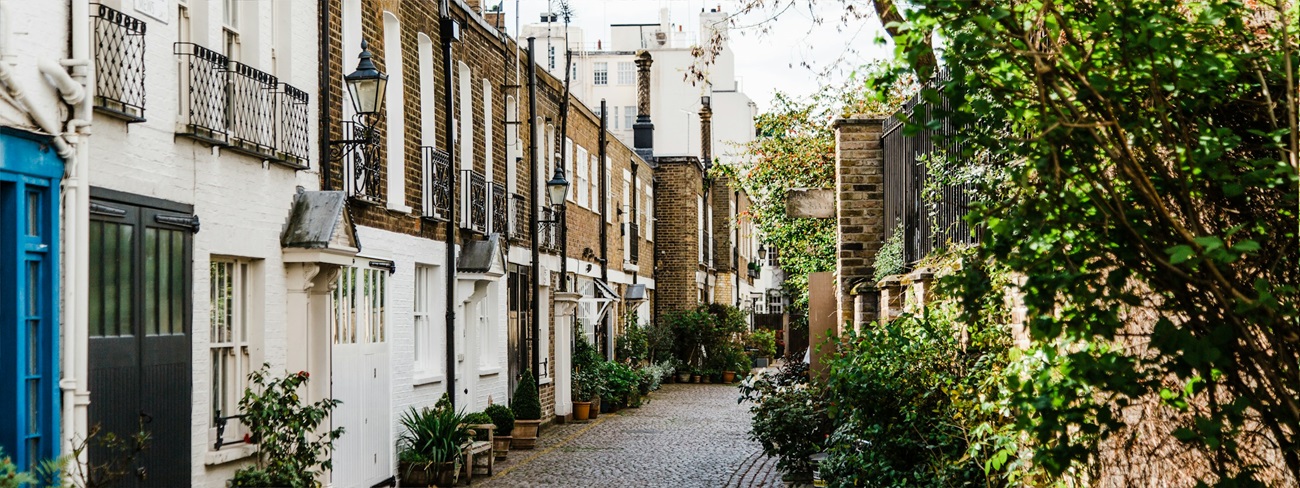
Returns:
(429, 449)
(582, 394)
(290, 451)
(504, 420)
(528, 413)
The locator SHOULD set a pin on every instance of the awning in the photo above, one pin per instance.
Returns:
(319, 229)
(601, 293)
(635, 293)
(486, 257)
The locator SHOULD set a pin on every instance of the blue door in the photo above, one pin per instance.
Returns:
(29, 252)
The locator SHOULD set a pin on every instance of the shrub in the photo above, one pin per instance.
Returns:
(526, 405)
(289, 452)
(585, 385)
(763, 341)
(502, 417)
(431, 436)
(790, 416)
(632, 346)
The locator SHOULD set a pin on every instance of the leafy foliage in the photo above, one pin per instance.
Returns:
(526, 405)
(502, 417)
(633, 345)
(790, 416)
(291, 452)
(1150, 202)
(431, 436)
(889, 259)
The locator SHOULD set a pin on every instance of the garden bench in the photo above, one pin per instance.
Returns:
(476, 450)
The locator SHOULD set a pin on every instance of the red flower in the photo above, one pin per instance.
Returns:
(248, 438)
(304, 374)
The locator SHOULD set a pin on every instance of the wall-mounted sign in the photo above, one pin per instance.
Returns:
(157, 9)
(814, 203)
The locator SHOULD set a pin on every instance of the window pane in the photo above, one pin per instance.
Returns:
(34, 350)
(33, 407)
(33, 288)
(177, 276)
(33, 213)
(152, 304)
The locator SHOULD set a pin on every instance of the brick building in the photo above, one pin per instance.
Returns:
(437, 182)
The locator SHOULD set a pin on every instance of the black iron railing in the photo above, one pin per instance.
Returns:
(437, 183)
(220, 422)
(548, 234)
(203, 93)
(119, 63)
(361, 170)
(474, 200)
(500, 209)
(292, 144)
(519, 217)
(252, 111)
(634, 244)
(928, 218)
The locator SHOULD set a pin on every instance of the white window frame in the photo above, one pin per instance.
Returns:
(649, 213)
(230, 43)
(395, 114)
(613, 120)
(626, 73)
(234, 283)
(582, 187)
(366, 320)
(699, 226)
(609, 191)
(593, 177)
(629, 116)
(427, 334)
(600, 73)
(629, 215)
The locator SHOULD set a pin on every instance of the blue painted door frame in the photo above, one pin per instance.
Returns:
(30, 173)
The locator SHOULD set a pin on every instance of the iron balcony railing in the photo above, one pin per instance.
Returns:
(474, 196)
(119, 64)
(519, 217)
(360, 164)
(203, 93)
(437, 183)
(252, 111)
(292, 143)
(548, 234)
(634, 244)
(500, 209)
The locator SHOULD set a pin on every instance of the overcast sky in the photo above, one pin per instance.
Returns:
(791, 56)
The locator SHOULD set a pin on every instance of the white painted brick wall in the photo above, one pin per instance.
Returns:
(242, 202)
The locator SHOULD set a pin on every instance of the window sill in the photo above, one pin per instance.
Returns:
(544, 381)
(400, 208)
(426, 379)
(229, 454)
(489, 371)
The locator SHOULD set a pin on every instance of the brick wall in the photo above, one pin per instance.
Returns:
(679, 182)
(859, 207)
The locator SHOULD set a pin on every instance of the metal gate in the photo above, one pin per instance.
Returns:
(140, 309)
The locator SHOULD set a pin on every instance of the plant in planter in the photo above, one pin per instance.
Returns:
(528, 412)
(290, 452)
(429, 449)
(583, 382)
(504, 419)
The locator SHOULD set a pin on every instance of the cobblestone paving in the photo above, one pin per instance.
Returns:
(687, 436)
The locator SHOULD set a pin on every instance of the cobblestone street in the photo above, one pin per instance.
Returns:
(687, 436)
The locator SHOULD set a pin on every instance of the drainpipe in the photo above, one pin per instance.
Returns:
(444, 9)
(76, 207)
(534, 198)
(324, 94)
(564, 156)
(604, 198)
(634, 214)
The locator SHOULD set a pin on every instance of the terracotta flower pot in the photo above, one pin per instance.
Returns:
(683, 377)
(695, 378)
(581, 410)
(728, 376)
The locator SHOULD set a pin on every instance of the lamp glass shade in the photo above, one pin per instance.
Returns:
(557, 189)
(368, 94)
(367, 84)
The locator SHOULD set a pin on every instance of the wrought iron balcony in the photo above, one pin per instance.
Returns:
(292, 144)
(360, 158)
(548, 233)
(203, 93)
(519, 217)
(119, 64)
(634, 242)
(474, 196)
(500, 209)
(437, 183)
(252, 111)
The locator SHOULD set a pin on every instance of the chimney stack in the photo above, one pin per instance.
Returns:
(643, 130)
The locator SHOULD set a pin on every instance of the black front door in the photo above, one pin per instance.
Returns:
(520, 323)
(140, 307)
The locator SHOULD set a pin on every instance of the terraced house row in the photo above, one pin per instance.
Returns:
(190, 189)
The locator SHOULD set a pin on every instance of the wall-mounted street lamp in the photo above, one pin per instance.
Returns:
(558, 187)
(359, 146)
